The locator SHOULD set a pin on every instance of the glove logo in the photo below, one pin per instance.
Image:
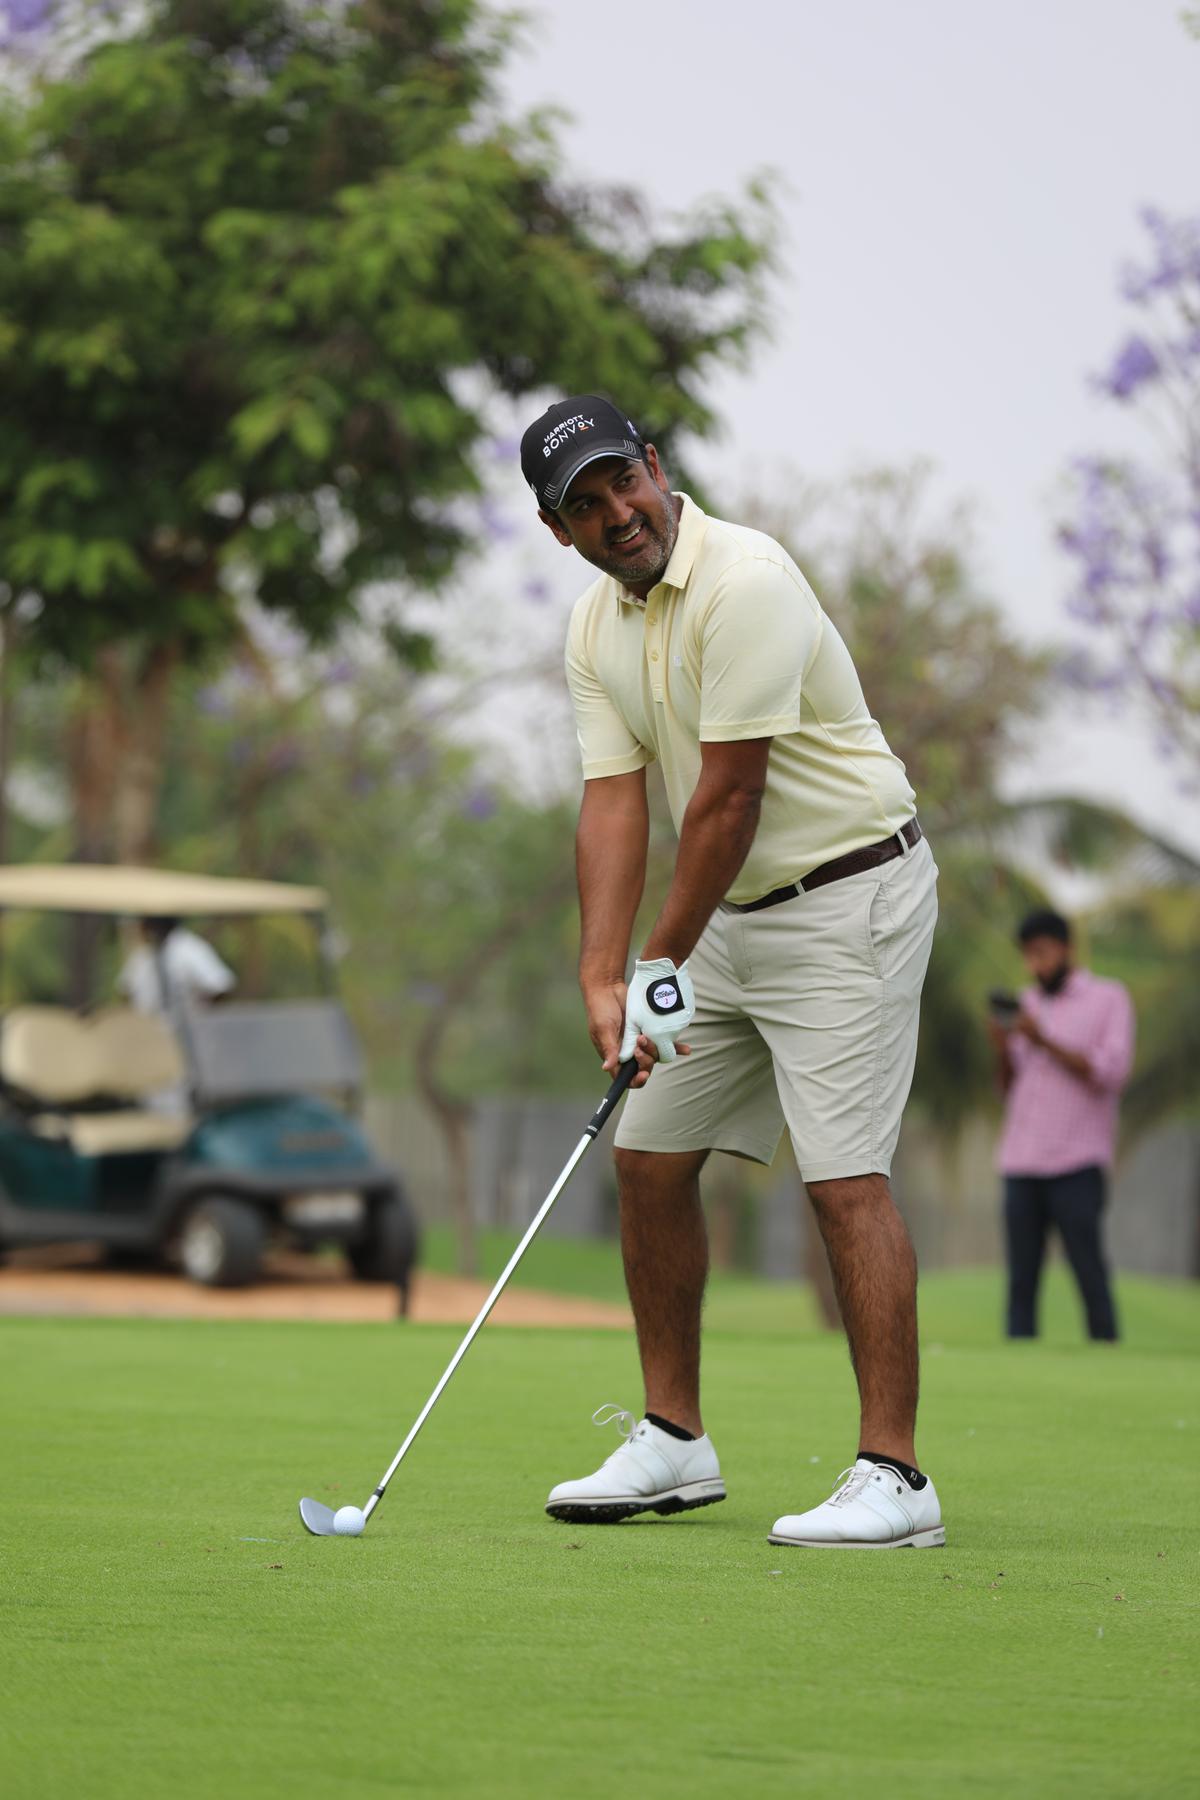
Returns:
(663, 997)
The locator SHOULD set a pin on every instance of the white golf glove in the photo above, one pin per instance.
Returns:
(659, 1005)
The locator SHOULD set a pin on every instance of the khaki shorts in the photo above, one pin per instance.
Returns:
(806, 1014)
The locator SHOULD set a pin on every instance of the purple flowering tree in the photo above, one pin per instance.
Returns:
(1134, 532)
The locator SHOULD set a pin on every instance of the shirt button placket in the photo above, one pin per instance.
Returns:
(654, 648)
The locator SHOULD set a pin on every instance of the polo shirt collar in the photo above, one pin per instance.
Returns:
(687, 542)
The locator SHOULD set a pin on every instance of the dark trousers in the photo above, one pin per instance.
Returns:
(1072, 1204)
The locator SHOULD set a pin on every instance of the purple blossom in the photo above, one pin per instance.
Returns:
(536, 589)
(1152, 620)
(282, 757)
(214, 702)
(1075, 669)
(426, 993)
(1176, 247)
(496, 522)
(20, 18)
(1134, 537)
(1157, 557)
(1136, 363)
(414, 764)
(1087, 610)
(480, 804)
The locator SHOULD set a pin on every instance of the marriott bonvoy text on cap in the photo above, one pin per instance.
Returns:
(567, 437)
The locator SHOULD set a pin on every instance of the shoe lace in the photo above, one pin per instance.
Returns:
(611, 1414)
(853, 1480)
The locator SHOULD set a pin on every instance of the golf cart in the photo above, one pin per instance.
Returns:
(258, 1141)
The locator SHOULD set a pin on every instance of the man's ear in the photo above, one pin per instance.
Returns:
(656, 469)
(555, 524)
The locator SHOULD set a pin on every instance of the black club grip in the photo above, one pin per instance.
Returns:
(607, 1106)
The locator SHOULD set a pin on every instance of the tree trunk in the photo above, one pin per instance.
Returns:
(91, 764)
(456, 1116)
(7, 640)
(116, 744)
(141, 742)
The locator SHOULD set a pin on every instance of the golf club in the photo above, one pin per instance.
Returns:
(348, 1521)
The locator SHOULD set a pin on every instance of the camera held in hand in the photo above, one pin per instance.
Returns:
(1003, 1008)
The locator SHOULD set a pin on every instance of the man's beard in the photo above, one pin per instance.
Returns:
(651, 561)
(1053, 984)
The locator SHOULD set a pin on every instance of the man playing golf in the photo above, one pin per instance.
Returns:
(791, 950)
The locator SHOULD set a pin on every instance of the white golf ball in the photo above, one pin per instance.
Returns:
(348, 1521)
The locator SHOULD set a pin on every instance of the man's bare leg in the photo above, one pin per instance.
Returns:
(665, 1247)
(875, 1274)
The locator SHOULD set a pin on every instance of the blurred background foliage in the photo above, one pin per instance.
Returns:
(261, 267)
(266, 270)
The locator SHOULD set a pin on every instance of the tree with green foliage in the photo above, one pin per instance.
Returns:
(264, 266)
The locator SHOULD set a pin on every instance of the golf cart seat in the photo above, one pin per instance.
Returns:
(121, 1133)
(133, 1053)
(45, 1055)
(64, 1068)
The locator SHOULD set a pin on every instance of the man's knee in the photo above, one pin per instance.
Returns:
(643, 1174)
(849, 1194)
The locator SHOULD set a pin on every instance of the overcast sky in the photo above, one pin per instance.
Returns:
(962, 185)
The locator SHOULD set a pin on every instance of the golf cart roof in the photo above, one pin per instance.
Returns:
(148, 893)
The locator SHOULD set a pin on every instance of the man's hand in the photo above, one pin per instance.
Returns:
(659, 1005)
(1071, 1060)
(606, 1023)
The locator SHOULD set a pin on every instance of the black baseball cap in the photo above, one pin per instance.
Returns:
(570, 435)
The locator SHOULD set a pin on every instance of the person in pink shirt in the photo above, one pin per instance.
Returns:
(1063, 1059)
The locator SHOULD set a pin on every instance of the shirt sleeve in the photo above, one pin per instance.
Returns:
(193, 963)
(1111, 1053)
(606, 744)
(758, 638)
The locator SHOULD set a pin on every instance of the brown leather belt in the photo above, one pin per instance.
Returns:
(856, 862)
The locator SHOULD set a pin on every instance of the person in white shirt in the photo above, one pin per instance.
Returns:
(171, 967)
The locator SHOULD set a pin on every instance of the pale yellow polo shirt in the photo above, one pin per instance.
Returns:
(733, 644)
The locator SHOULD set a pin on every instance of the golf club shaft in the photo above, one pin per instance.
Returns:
(596, 1123)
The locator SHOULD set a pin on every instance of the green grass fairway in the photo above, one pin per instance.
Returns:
(169, 1630)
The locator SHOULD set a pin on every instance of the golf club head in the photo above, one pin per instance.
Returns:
(317, 1518)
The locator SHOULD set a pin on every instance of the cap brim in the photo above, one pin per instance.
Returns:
(553, 493)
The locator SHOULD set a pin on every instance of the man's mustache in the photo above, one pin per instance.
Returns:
(612, 536)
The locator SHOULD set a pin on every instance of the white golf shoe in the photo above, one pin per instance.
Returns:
(650, 1471)
(874, 1509)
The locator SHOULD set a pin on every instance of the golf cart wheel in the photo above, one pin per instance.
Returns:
(388, 1248)
(221, 1243)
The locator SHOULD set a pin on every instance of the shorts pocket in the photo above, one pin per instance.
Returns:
(881, 929)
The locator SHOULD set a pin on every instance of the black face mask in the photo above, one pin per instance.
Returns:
(1053, 984)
